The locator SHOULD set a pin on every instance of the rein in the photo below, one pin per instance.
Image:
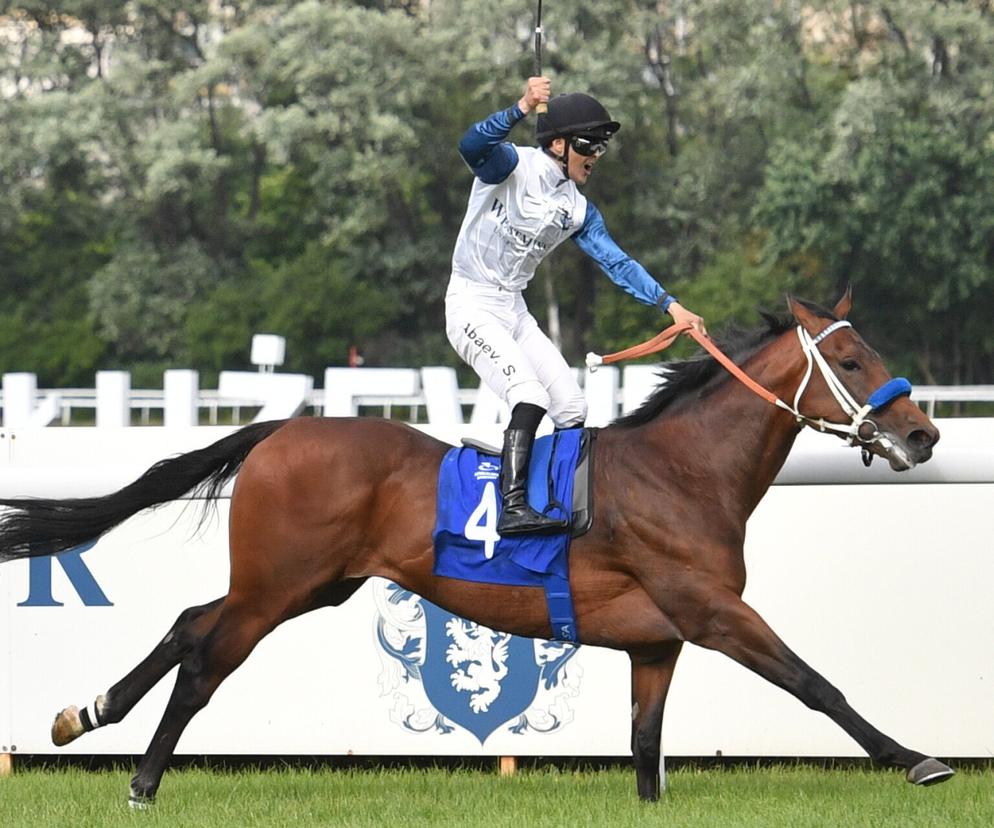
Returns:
(858, 415)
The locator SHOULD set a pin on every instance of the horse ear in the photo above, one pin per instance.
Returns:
(844, 305)
(804, 317)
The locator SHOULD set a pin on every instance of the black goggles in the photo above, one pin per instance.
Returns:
(595, 147)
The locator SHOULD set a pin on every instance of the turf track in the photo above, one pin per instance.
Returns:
(770, 796)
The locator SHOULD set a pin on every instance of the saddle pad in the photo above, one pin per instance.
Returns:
(467, 545)
(466, 541)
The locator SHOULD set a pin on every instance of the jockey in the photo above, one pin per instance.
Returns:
(524, 203)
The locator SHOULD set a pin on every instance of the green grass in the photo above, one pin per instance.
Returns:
(793, 796)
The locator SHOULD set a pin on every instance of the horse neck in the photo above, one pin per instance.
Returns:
(740, 439)
(780, 368)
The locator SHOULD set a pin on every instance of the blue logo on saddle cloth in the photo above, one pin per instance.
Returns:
(467, 545)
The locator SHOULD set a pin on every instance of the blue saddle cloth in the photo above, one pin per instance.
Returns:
(467, 545)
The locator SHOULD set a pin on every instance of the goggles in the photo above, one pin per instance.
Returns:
(595, 147)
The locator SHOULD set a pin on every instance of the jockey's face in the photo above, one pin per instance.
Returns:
(579, 167)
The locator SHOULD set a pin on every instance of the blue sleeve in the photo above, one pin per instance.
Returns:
(594, 240)
(483, 147)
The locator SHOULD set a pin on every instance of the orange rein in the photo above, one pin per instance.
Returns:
(664, 339)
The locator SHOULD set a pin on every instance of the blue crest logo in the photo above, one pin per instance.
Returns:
(446, 672)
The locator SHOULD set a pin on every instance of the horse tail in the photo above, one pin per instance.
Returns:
(40, 526)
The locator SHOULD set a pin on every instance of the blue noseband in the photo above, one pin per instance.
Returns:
(888, 392)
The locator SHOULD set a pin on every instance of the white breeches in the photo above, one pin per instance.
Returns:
(492, 330)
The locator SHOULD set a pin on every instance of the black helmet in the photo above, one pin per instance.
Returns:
(574, 114)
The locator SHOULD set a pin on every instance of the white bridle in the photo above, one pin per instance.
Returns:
(858, 414)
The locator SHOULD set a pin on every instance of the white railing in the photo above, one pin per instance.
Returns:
(429, 395)
(928, 395)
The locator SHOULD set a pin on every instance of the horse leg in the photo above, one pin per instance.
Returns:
(650, 684)
(735, 629)
(240, 626)
(111, 707)
(238, 629)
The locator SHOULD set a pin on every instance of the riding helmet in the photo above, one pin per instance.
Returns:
(574, 114)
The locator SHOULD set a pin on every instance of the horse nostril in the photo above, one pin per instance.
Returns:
(922, 439)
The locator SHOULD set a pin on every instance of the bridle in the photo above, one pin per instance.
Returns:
(859, 415)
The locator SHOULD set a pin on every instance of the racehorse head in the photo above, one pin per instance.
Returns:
(884, 421)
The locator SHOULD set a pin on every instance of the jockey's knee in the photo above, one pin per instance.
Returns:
(569, 413)
(529, 391)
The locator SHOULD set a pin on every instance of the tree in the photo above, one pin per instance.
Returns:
(178, 175)
(896, 194)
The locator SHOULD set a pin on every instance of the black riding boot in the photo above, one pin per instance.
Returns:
(517, 517)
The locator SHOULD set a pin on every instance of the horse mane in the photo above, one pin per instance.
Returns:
(702, 373)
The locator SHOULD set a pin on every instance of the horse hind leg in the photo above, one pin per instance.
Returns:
(238, 629)
(111, 707)
(240, 626)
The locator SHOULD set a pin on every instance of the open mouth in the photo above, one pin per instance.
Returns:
(588, 167)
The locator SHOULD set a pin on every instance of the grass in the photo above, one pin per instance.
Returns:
(794, 796)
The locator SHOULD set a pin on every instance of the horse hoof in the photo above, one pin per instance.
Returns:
(138, 801)
(929, 772)
(67, 726)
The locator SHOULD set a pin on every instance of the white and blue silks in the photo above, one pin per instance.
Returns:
(467, 545)
(522, 207)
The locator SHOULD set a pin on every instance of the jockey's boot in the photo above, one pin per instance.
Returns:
(517, 517)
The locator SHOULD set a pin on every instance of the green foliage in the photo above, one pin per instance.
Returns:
(326, 306)
(179, 176)
(141, 297)
(895, 195)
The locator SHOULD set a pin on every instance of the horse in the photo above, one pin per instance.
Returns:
(321, 504)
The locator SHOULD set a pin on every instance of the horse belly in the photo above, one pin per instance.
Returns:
(517, 610)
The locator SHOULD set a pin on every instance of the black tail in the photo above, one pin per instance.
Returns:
(37, 526)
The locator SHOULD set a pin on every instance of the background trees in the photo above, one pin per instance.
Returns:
(178, 175)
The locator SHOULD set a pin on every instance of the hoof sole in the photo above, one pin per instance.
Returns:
(67, 726)
(929, 772)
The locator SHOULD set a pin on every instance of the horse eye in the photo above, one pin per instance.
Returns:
(850, 365)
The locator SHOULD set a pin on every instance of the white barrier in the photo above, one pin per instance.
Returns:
(884, 589)
(179, 392)
(609, 392)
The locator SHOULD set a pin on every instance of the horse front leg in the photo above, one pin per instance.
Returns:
(650, 684)
(111, 707)
(735, 629)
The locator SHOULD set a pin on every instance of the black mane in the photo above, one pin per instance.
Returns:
(702, 373)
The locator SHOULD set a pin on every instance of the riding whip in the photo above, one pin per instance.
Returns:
(542, 108)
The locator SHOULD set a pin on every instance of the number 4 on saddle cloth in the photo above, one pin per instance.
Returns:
(467, 545)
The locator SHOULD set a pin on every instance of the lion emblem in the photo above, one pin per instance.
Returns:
(484, 652)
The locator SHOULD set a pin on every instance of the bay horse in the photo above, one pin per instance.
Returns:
(320, 505)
